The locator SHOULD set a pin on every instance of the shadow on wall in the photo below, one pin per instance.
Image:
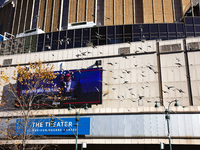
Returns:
(8, 98)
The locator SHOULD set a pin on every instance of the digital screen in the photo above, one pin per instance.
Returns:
(69, 87)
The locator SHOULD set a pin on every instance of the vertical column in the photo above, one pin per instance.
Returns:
(90, 10)
(128, 12)
(147, 11)
(48, 16)
(41, 16)
(17, 17)
(82, 10)
(118, 15)
(158, 11)
(29, 15)
(109, 12)
(56, 15)
(23, 14)
(72, 11)
(168, 11)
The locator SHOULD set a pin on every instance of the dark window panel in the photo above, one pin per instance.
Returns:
(189, 34)
(172, 34)
(77, 44)
(155, 34)
(188, 20)
(55, 41)
(47, 41)
(154, 37)
(197, 28)
(62, 38)
(172, 37)
(111, 29)
(86, 32)
(34, 43)
(128, 39)
(198, 34)
(111, 41)
(102, 31)
(119, 30)
(70, 38)
(94, 41)
(136, 39)
(137, 29)
(197, 20)
(120, 40)
(171, 27)
(65, 14)
(163, 27)
(102, 42)
(164, 38)
(40, 42)
(78, 33)
(128, 29)
(180, 28)
(154, 28)
(145, 28)
(94, 32)
(189, 29)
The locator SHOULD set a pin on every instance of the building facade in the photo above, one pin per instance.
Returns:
(148, 52)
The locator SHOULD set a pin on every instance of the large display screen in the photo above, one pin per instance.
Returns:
(69, 87)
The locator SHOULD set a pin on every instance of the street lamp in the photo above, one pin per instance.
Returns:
(167, 117)
(77, 119)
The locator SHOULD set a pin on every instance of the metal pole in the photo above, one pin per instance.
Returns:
(77, 120)
(168, 128)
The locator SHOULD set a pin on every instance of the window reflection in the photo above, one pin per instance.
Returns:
(40, 42)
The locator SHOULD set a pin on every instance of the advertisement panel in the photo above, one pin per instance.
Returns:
(60, 127)
(69, 87)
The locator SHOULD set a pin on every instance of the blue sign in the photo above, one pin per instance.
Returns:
(43, 127)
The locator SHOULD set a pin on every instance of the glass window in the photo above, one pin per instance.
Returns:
(62, 39)
(55, 41)
(34, 43)
(145, 36)
(163, 27)
(180, 27)
(197, 28)
(189, 29)
(188, 20)
(119, 30)
(78, 33)
(86, 32)
(48, 42)
(137, 29)
(145, 28)
(70, 38)
(27, 44)
(190, 34)
(77, 44)
(111, 30)
(172, 27)
(94, 32)
(102, 42)
(102, 32)
(197, 20)
(172, 37)
(128, 29)
(120, 40)
(154, 28)
(40, 42)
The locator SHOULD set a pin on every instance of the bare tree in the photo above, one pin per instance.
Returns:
(33, 78)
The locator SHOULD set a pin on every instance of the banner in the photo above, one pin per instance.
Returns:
(60, 127)
(69, 87)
